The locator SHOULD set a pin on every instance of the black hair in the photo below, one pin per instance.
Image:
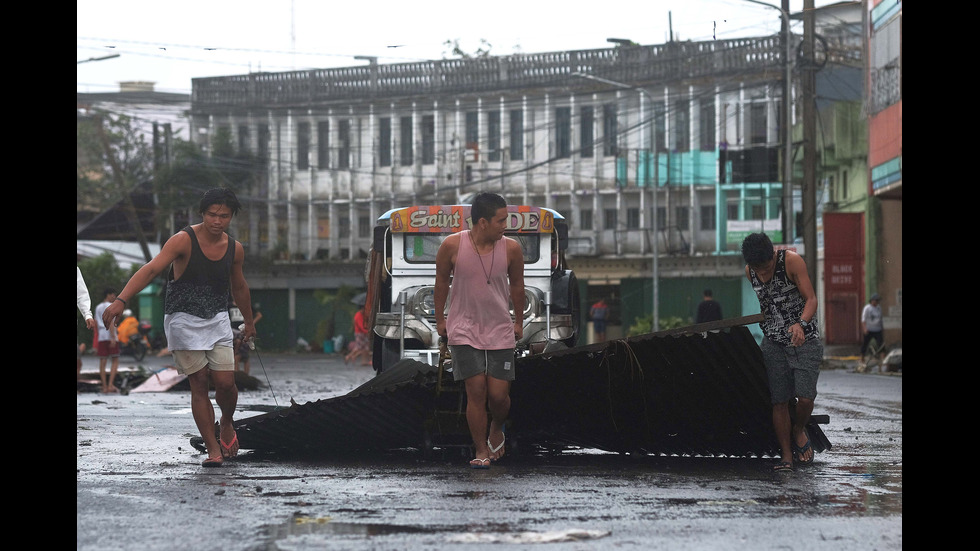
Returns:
(757, 249)
(486, 205)
(220, 196)
(109, 291)
(707, 292)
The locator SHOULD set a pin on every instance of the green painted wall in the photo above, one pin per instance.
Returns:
(679, 297)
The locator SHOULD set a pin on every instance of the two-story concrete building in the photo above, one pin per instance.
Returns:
(673, 147)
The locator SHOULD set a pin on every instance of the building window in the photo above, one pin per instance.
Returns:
(364, 226)
(428, 139)
(586, 219)
(243, 136)
(682, 126)
(683, 217)
(384, 139)
(586, 123)
(323, 144)
(343, 136)
(633, 218)
(516, 134)
(263, 146)
(360, 140)
(757, 122)
(661, 218)
(406, 138)
(708, 221)
(493, 135)
(732, 209)
(563, 132)
(610, 131)
(473, 130)
(303, 146)
(343, 227)
(707, 121)
(609, 219)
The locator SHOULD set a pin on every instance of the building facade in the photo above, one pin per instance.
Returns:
(884, 182)
(674, 149)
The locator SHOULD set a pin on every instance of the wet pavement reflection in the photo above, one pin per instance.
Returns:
(140, 484)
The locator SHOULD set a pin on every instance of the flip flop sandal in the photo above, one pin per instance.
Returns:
(480, 463)
(495, 449)
(782, 467)
(799, 452)
(230, 449)
(213, 462)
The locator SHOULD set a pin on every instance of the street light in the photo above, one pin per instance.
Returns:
(655, 326)
(788, 130)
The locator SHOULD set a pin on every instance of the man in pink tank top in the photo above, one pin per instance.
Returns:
(487, 271)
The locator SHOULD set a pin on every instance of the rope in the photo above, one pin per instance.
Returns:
(251, 346)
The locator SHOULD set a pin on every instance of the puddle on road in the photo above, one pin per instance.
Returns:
(303, 527)
(300, 526)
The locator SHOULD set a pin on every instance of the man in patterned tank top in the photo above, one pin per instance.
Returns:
(791, 346)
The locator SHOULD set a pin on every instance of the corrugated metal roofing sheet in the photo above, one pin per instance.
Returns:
(699, 390)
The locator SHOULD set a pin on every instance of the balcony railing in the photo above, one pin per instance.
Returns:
(671, 62)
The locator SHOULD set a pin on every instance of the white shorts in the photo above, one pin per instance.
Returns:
(188, 362)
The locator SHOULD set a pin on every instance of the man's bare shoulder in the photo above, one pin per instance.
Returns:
(179, 242)
(450, 242)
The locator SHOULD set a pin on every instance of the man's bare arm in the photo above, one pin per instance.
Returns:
(179, 245)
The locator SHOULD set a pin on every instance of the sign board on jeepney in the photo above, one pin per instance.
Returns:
(455, 218)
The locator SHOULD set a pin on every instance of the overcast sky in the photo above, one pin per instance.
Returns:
(169, 43)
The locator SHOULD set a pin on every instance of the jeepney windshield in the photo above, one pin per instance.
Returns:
(421, 248)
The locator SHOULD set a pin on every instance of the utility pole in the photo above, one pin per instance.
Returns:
(809, 187)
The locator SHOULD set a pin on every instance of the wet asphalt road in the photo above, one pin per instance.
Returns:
(140, 484)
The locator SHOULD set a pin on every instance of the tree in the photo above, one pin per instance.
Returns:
(456, 50)
(338, 302)
(112, 158)
(193, 171)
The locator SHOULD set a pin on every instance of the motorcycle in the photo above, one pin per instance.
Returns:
(138, 344)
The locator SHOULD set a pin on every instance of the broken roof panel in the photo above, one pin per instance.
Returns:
(700, 390)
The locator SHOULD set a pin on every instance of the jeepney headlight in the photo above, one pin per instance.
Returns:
(530, 303)
(425, 301)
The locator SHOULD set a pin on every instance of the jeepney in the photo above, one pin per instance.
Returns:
(402, 270)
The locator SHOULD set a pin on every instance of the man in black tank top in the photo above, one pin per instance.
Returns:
(205, 263)
(791, 348)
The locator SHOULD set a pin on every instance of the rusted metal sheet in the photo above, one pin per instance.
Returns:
(700, 390)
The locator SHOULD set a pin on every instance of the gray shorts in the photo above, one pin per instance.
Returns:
(792, 370)
(469, 361)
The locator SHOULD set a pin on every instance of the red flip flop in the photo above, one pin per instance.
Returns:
(230, 449)
(213, 462)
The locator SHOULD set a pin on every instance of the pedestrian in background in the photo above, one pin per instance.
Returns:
(873, 329)
(791, 347)
(709, 309)
(599, 312)
(361, 345)
(205, 265)
(487, 271)
(108, 346)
